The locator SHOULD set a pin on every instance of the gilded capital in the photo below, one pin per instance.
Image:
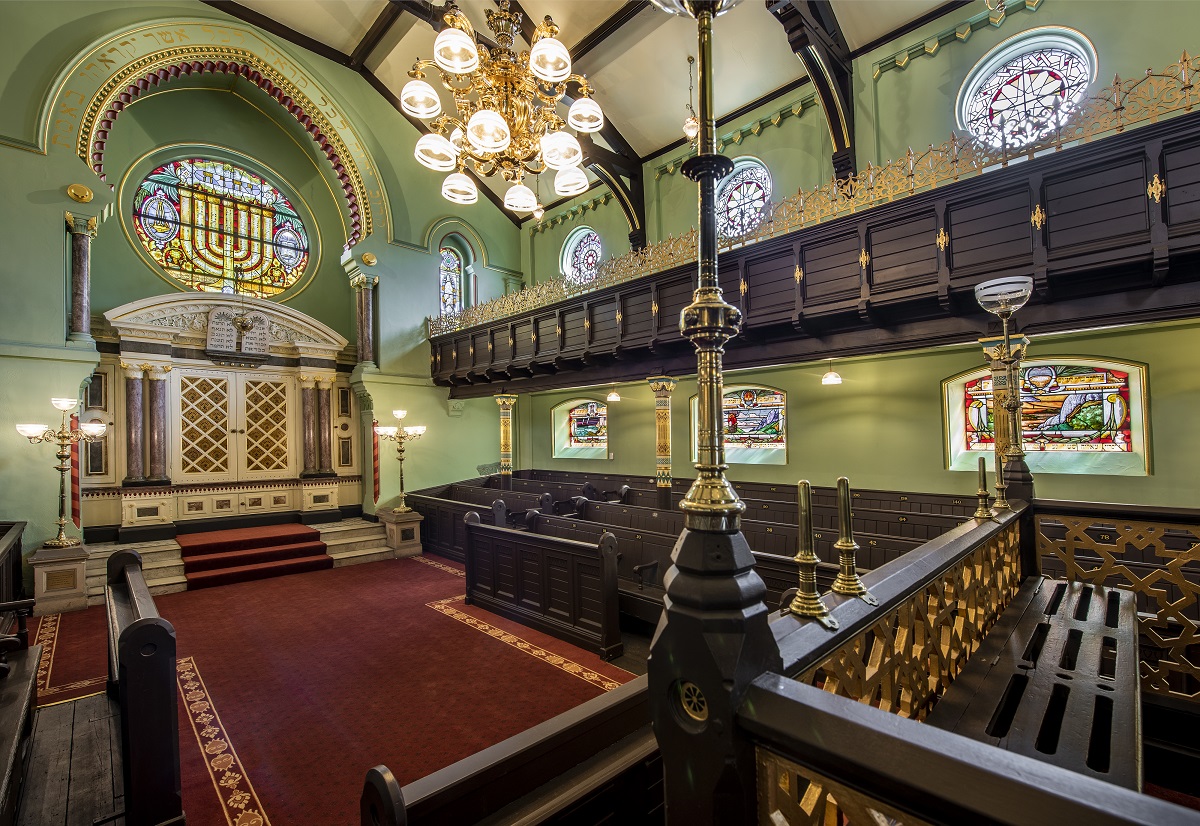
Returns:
(81, 224)
(364, 282)
(662, 384)
(506, 402)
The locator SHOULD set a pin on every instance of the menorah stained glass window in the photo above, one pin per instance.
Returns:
(1063, 407)
(451, 273)
(587, 425)
(216, 227)
(1027, 87)
(754, 418)
(581, 256)
(742, 199)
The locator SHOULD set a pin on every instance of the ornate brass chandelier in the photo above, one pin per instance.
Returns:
(507, 120)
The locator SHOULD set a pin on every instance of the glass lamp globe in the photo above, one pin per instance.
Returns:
(538, 212)
(1004, 296)
(399, 414)
(454, 51)
(419, 99)
(457, 138)
(613, 396)
(487, 132)
(415, 430)
(550, 61)
(65, 404)
(93, 429)
(691, 128)
(570, 181)
(560, 150)
(386, 430)
(832, 377)
(459, 189)
(31, 431)
(585, 115)
(436, 152)
(520, 198)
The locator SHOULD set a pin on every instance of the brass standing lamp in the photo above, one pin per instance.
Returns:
(401, 436)
(1002, 297)
(65, 438)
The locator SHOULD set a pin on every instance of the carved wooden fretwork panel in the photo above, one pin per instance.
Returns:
(1160, 563)
(266, 412)
(908, 659)
(204, 421)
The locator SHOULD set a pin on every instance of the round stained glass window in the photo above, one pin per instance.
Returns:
(743, 199)
(581, 256)
(216, 227)
(1027, 87)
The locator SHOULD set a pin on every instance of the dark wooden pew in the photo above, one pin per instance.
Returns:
(141, 678)
(567, 589)
(514, 500)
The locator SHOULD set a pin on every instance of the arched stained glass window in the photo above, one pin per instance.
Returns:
(754, 418)
(216, 227)
(1077, 416)
(451, 281)
(581, 256)
(743, 198)
(587, 425)
(1026, 87)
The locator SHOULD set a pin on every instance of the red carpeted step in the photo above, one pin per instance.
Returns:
(251, 556)
(262, 570)
(263, 536)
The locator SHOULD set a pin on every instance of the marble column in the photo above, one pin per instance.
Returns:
(135, 468)
(662, 387)
(506, 403)
(324, 426)
(157, 377)
(308, 420)
(83, 230)
(364, 292)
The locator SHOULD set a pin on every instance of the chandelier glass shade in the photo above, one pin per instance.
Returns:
(505, 119)
(570, 181)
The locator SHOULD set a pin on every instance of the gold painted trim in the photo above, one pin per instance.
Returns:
(126, 217)
(72, 700)
(431, 563)
(562, 663)
(864, 258)
(1156, 189)
(1038, 218)
(225, 768)
(47, 638)
(943, 240)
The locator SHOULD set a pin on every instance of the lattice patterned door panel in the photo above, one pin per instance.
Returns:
(265, 447)
(206, 451)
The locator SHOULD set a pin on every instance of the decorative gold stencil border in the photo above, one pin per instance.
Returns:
(239, 801)
(571, 667)
(439, 566)
(47, 638)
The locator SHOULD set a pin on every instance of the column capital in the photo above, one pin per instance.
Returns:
(362, 281)
(132, 371)
(157, 372)
(81, 224)
(325, 381)
(306, 381)
(662, 385)
(506, 401)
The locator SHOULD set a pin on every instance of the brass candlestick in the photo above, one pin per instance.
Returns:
(983, 511)
(848, 582)
(401, 436)
(807, 602)
(1001, 503)
(65, 438)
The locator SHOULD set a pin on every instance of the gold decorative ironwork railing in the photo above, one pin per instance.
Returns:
(908, 658)
(1143, 99)
(1160, 562)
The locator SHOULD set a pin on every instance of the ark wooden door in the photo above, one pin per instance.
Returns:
(233, 426)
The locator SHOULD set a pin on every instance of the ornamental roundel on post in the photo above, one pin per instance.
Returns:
(1026, 87)
(743, 199)
(215, 227)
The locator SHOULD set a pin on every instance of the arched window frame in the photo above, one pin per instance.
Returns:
(1041, 39)
(740, 452)
(566, 257)
(1127, 455)
(300, 214)
(564, 446)
(465, 253)
(746, 170)
(450, 281)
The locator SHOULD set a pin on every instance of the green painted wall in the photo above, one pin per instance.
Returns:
(882, 425)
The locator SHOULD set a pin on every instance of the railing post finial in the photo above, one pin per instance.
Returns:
(848, 582)
(807, 602)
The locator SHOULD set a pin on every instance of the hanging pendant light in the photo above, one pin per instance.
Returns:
(570, 181)
(454, 51)
(561, 150)
(549, 60)
(585, 115)
(419, 99)
(831, 377)
(458, 188)
(691, 124)
(487, 132)
(436, 152)
(613, 395)
(520, 198)
(539, 210)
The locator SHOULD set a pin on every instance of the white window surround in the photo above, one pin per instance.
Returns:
(559, 418)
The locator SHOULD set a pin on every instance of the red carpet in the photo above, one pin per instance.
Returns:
(291, 688)
(245, 554)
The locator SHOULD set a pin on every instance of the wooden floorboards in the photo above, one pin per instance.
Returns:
(73, 774)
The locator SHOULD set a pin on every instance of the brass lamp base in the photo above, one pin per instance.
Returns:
(62, 542)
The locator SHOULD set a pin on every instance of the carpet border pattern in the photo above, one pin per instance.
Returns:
(47, 638)
(225, 768)
(570, 666)
(439, 566)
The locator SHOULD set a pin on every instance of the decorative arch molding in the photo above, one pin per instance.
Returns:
(182, 321)
(477, 250)
(111, 73)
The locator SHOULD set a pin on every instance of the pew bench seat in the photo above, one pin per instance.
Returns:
(1056, 679)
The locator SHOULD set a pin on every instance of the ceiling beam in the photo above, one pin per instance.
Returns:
(379, 29)
(608, 28)
(816, 38)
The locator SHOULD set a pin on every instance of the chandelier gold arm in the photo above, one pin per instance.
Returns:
(457, 20)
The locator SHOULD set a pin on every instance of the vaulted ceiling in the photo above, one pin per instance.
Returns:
(631, 52)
